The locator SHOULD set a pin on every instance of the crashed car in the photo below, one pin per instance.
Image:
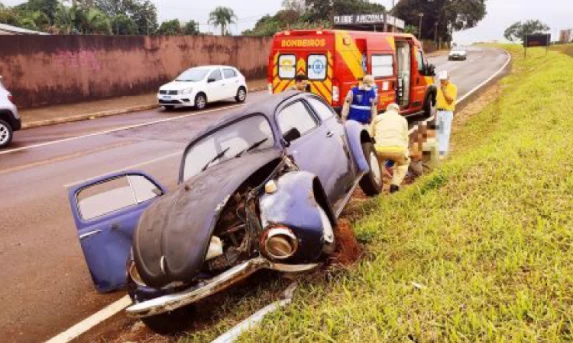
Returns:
(261, 189)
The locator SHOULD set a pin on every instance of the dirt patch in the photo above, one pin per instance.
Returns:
(348, 251)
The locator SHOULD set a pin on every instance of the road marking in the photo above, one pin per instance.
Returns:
(90, 322)
(121, 304)
(475, 89)
(139, 165)
(98, 133)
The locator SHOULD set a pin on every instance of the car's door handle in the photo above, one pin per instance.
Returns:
(89, 234)
(330, 134)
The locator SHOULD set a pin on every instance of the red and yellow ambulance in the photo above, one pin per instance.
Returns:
(334, 60)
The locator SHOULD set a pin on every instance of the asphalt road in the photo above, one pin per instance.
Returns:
(45, 285)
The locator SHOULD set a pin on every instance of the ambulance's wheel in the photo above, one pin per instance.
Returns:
(241, 95)
(372, 182)
(429, 105)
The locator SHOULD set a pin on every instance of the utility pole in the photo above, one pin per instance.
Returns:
(421, 15)
(436, 35)
(393, 16)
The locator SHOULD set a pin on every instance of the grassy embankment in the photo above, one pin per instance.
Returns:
(479, 251)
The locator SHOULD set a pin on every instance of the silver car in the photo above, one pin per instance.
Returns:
(9, 117)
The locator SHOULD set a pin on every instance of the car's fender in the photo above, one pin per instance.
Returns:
(356, 135)
(295, 204)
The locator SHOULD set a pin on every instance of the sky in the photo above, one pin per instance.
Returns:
(558, 14)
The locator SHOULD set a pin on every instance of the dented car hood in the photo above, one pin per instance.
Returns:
(173, 235)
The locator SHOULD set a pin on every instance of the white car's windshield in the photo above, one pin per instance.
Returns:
(233, 141)
(193, 75)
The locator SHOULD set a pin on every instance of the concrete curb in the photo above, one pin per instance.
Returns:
(102, 114)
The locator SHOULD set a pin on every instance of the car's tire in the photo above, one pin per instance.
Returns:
(168, 108)
(241, 95)
(6, 134)
(200, 101)
(171, 322)
(429, 105)
(372, 182)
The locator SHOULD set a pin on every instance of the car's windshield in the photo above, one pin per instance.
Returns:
(233, 141)
(193, 75)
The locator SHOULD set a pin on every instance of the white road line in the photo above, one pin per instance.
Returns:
(115, 130)
(93, 320)
(139, 165)
(476, 88)
(121, 304)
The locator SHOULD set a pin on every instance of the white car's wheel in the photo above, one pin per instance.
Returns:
(241, 95)
(5, 133)
(200, 101)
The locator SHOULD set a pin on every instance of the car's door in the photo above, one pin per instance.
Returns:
(339, 159)
(311, 145)
(106, 212)
(232, 82)
(216, 86)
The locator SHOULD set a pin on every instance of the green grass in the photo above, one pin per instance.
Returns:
(479, 251)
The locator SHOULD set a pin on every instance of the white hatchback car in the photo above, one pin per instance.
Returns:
(201, 85)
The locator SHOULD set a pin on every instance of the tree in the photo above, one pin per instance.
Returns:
(142, 12)
(123, 25)
(191, 28)
(323, 9)
(96, 22)
(170, 28)
(48, 7)
(36, 20)
(298, 6)
(222, 17)
(411, 29)
(450, 15)
(519, 30)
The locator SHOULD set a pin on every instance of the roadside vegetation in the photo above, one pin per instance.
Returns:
(481, 250)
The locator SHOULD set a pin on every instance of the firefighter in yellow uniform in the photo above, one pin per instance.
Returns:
(390, 130)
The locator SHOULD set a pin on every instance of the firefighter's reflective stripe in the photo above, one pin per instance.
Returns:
(362, 108)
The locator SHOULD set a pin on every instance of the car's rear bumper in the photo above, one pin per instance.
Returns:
(168, 303)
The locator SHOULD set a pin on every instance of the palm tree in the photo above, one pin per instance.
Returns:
(223, 17)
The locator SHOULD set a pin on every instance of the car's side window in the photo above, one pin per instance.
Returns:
(229, 73)
(295, 121)
(323, 111)
(420, 59)
(216, 75)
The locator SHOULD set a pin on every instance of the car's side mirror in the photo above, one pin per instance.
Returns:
(291, 135)
(211, 80)
(431, 70)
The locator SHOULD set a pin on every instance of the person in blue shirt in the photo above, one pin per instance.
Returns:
(361, 103)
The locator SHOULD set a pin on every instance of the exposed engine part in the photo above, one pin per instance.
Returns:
(215, 248)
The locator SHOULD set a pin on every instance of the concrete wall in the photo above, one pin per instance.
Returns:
(47, 70)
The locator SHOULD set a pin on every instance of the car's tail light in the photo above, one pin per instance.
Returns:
(279, 243)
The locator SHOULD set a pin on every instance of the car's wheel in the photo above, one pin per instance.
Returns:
(166, 323)
(200, 101)
(169, 108)
(6, 133)
(241, 95)
(171, 322)
(371, 183)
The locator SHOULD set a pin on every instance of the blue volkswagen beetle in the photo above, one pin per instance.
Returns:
(261, 189)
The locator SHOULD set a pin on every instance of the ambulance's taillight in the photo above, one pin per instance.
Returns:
(270, 88)
(335, 94)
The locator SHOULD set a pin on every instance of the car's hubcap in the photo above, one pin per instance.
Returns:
(4, 134)
(375, 167)
(201, 102)
(242, 95)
